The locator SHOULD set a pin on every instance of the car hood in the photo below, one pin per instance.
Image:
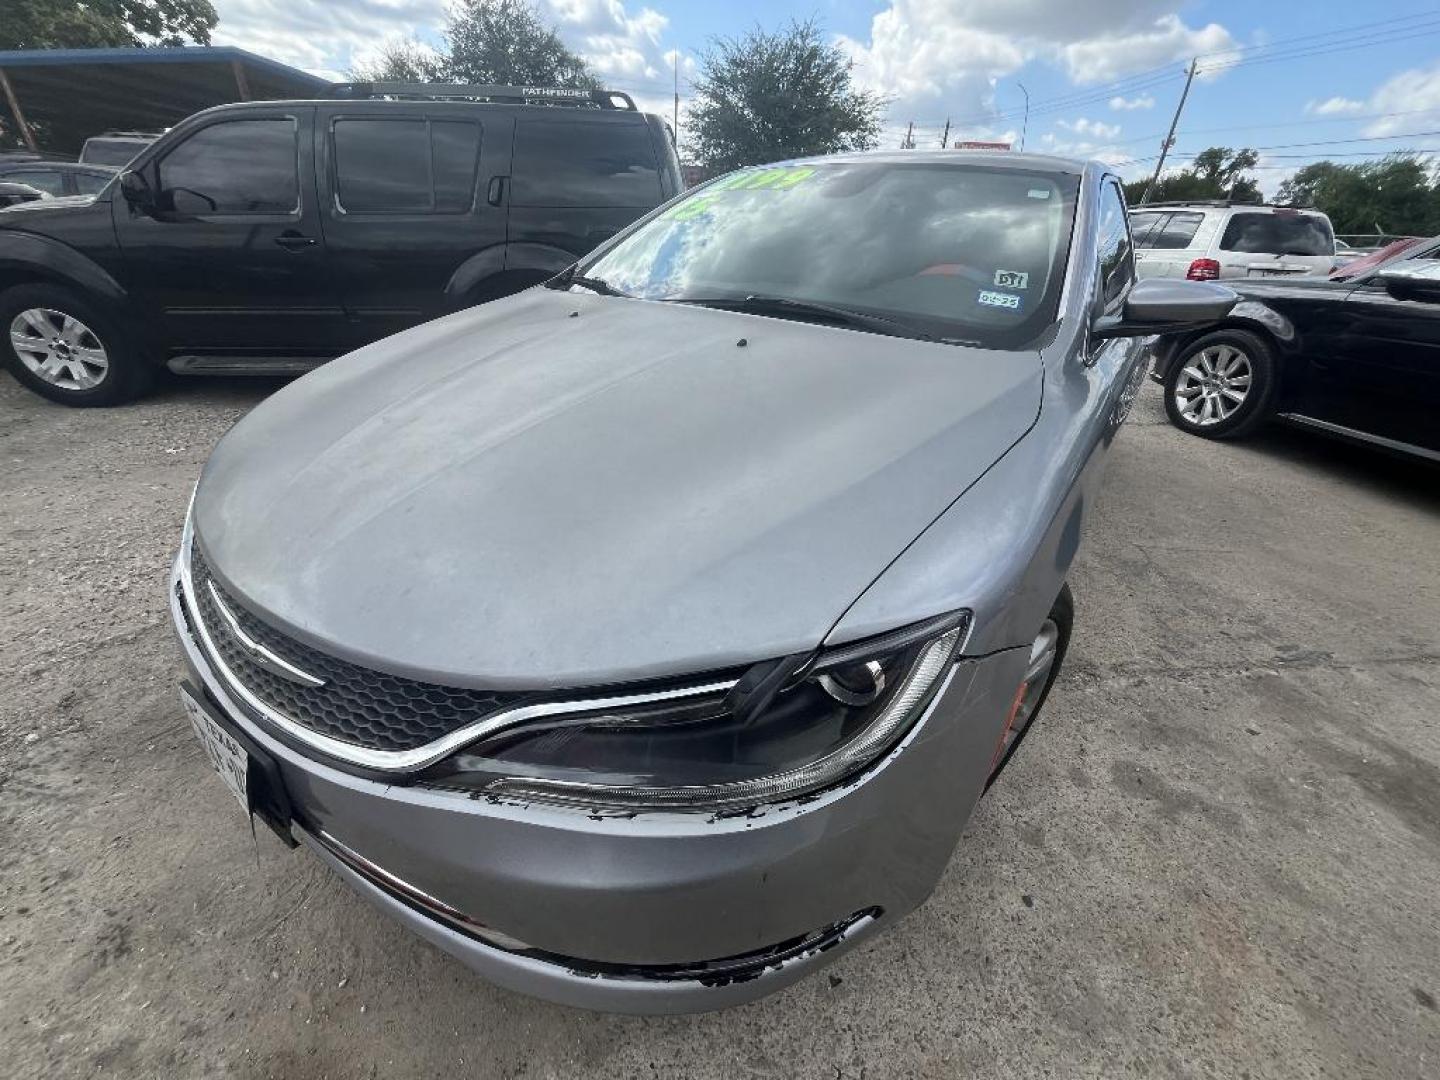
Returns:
(562, 489)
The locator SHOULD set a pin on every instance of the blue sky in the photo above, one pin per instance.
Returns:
(1103, 75)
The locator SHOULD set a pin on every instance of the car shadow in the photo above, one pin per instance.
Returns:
(221, 389)
(1398, 477)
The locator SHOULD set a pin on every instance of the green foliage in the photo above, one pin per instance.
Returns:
(486, 41)
(1216, 173)
(769, 96)
(1397, 195)
(98, 24)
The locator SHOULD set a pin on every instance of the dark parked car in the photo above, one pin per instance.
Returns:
(646, 640)
(1354, 355)
(58, 178)
(272, 236)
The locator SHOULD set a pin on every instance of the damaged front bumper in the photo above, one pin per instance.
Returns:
(662, 912)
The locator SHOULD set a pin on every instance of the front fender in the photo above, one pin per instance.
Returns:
(1252, 315)
(50, 259)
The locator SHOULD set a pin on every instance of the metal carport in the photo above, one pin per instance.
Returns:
(54, 99)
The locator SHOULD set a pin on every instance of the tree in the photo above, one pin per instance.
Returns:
(1216, 173)
(1397, 195)
(400, 61)
(505, 42)
(767, 96)
(486, 41)
(97, 24)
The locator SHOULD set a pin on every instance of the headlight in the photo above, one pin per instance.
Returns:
(789, 727)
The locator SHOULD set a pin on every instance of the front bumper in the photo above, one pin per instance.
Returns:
(622, 913)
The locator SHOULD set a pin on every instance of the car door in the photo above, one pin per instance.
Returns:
(1384, 376)
(411, 194)
(228, 257)
(579, 179)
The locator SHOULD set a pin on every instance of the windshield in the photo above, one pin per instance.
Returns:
(953, 251)
(110, 151)
(1278, 234)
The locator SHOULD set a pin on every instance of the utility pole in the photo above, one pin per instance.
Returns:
(1170, 138)
(676, 125)
(1024, 127)
(909, 143)
(945, 138)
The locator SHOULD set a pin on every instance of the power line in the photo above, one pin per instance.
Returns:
(1338, 32)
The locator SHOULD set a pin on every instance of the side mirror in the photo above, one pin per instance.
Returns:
(1413, 279)
(1164, 305)
(136, 190)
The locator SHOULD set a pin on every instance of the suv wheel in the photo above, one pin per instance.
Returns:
(1221, 384)
(63, 346)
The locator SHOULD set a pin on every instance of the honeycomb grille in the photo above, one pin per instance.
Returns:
(356, 705)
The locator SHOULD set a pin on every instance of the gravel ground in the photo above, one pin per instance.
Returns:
(1218, 856)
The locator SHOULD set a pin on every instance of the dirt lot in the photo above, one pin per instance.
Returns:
(1219, 856)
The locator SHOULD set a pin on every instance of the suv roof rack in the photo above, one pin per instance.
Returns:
(1222, 203)
(513, 95)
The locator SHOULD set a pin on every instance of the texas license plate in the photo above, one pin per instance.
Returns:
(225, 753)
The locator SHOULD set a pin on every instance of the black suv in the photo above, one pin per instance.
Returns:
(268, 237)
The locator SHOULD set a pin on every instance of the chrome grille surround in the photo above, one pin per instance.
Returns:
(194, 577)
(353, 704)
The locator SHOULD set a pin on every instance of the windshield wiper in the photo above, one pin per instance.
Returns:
(783, 306)
(594, 284)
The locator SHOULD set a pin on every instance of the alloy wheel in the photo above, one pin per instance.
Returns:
(1213, 384)
(59, 348)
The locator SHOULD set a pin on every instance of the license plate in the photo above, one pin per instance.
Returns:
(225, 753)
(1273, 273)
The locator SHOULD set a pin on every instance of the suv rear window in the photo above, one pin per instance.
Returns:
(570, 163)
(405, 165)
(1278, 234)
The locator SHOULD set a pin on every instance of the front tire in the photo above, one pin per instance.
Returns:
(66, 347)
(1221, 384)
(1047, 654)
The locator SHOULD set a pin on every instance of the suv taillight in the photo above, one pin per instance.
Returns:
(1203, 270)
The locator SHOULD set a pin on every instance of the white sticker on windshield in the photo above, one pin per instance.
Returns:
(1000, 299)
(1012, 279)
(1039, 193)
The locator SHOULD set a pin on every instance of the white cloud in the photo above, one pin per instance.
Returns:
(1113, 56)
(322, 37)
(1408, 92)
(1095, 128)
(931, 57)
(1139, 101)
(1335, 106)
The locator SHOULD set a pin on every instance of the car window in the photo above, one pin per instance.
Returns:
(567, 163)
(405, 165)
(1278, 234)
(1142, 226)
(234, 167)
(1177, 232)
(1117, 262)
(955, 251)
(91, 183)
(49, 181)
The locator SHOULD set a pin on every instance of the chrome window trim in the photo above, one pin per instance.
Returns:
(420, 756)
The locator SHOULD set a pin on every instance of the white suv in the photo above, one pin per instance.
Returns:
(1208, 240)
